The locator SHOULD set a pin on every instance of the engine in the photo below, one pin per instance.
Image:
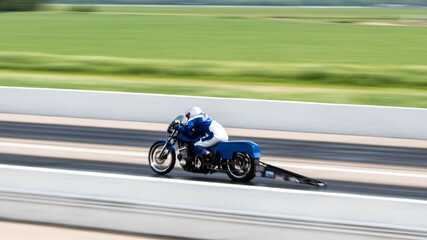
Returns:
(183, 156)
(189, 161)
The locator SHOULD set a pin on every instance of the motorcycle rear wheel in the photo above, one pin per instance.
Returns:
(241, 168)
(161, 166)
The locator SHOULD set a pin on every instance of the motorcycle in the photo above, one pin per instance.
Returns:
(240, 160)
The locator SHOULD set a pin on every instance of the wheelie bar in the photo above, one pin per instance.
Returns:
(270, 171)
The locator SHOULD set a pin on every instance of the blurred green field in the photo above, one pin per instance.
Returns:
(253, 2)
(213, 39)
(333, 15)
(222, 47)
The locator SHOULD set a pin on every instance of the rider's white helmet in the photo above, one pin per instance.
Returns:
(194, 111)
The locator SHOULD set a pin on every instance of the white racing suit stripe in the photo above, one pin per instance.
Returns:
(219, 135)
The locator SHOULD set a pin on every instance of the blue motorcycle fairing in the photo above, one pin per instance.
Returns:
(163, 142)
(227, 149)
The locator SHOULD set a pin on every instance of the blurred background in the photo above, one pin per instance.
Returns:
(364, 52)
(367, 52)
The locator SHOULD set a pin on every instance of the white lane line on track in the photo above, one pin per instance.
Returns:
(74, 149)
(383, 172)
(210, 184)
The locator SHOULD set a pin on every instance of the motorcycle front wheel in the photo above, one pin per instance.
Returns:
(241, 168)
(159, 165)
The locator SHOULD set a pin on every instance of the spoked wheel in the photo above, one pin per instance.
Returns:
(161, 165)
(241, 168)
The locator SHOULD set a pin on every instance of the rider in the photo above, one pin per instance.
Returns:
(200, 124)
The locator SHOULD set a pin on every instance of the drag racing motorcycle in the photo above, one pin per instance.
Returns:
(240, 160)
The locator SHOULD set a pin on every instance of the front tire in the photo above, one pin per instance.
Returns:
(241, 168)
(161, 166)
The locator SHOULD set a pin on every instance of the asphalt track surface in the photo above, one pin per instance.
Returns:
(270, 147)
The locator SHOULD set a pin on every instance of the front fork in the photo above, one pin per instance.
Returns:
(170, 142)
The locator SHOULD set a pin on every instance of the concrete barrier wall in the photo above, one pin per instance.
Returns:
(241, 113)
(202, 210)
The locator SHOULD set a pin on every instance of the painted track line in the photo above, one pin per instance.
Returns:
(203, 183)
(74, 149)
(347, 170)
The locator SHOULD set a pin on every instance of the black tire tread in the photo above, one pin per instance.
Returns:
(171, 166)
(249, 176)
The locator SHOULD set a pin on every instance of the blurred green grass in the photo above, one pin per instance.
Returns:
(384, 97)
(190, 46)
(320, 74)
(212, 39)
(322, 14)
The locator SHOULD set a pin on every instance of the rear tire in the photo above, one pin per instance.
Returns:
(241, 168)
(161, 166)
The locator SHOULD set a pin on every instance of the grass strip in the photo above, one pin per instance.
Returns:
(332, 75)
(335, 14)
(383, 97)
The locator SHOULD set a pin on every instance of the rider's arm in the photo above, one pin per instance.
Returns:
(187, 129)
